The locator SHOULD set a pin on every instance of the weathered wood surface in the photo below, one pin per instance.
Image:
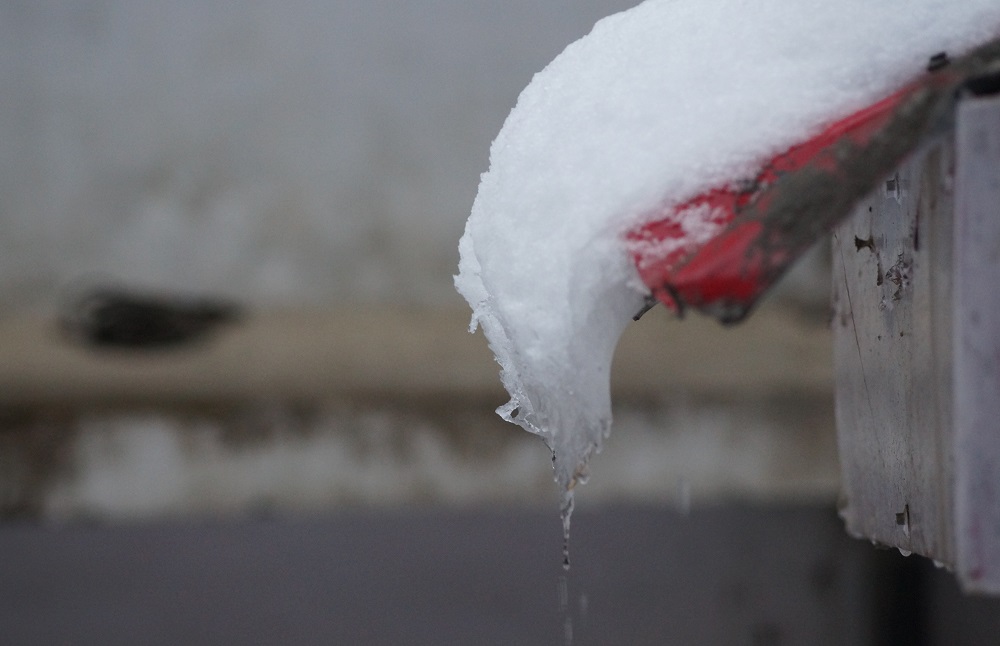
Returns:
(917, 353)
(892, 345)
(977, 345)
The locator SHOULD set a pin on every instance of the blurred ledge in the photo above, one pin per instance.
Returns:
(275, 458)
(386, 352)
(385, 406)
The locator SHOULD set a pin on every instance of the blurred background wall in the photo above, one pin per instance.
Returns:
(284, 153)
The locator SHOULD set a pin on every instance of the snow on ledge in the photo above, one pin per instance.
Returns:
(656, 105)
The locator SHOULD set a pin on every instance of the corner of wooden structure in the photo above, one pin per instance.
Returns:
(916, 328)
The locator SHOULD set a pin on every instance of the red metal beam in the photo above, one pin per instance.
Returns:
(721, 251)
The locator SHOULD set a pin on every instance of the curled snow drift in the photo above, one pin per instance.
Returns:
(656, 105)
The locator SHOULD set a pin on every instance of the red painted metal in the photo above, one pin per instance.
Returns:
(720, 251)
(727, 264)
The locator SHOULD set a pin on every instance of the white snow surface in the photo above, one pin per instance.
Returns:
(656, 105)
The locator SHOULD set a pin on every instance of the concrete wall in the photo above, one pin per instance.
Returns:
(280, 152)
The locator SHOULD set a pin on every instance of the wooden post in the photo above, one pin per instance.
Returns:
(916, 307)
(977, 344)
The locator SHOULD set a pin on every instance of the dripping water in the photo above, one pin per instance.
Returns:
(566, 512)
(567, 615)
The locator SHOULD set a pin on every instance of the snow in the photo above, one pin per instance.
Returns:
(655, 106)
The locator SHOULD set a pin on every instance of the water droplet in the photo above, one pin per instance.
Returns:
(904, 552)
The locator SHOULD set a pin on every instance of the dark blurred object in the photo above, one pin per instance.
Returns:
(114, 317)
